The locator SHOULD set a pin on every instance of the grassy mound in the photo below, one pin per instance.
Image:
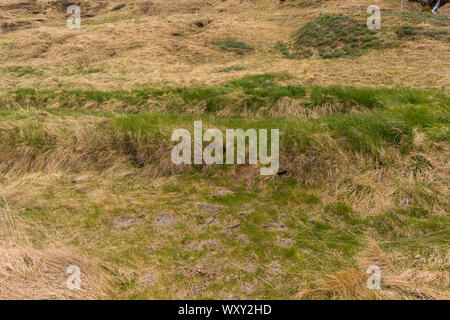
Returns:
(331, 36)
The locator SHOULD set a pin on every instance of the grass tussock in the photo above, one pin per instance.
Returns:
(331, 36)
(234, 46)
(414, 32)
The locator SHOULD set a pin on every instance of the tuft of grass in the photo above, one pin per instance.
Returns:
(232, 68)
(299, 53)
(21, 71)
(88, 70)
(371, 132)
(264, 86)
(339, 209)
(232, 45)
(331, 36)
(414, 32)
(368, 97)
(419, 17)
(415, 212)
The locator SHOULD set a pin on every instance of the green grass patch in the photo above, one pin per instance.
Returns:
(234, 46)
(232, 68)
(414, 32)
(419, 17)
(331, 36)
(21, 71)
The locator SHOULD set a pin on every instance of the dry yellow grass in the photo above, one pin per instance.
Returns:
(152, 48)
(29, 273)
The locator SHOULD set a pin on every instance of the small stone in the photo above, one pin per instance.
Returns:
(78, 180)
(127, 221)
(243, 238)
(208, 222)
(234, 225)
(249, 287)
(164, 220)
(276, 226)
(251, 267)
(395, 216)
(275, 267)
(210, 207)
(243, 213)
(285, 242)
(147, 279)
(223, 192)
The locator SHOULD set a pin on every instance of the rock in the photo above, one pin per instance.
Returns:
(234, 225)
(223, 192)
(276, 226)
(207, 273)
(243, 238)
(164, 220)
(210, 207)
(208, 222)
(395, 216)
(118, 7)
(243, 213)
(202, 23)
(248, 287)
(78, 180)
(251, 267)
(127, 221)
(275, 267)
(147, 279)
(285, 242)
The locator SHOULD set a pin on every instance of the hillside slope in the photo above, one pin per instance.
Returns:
(164, 42)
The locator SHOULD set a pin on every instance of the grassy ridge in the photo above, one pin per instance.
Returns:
(253, 93)
(376, 130)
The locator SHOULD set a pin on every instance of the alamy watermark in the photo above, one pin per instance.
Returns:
(73, 282)
(374, 281)
(74, 21)
(213, 153)
(373, 22)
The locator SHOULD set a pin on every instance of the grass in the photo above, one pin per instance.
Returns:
(363, 168)
(21, 71)
(419, 17)
(291, 226)
(232, 68)
(331, 36)
(234, 46)
(413, 32)
(252, 93)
